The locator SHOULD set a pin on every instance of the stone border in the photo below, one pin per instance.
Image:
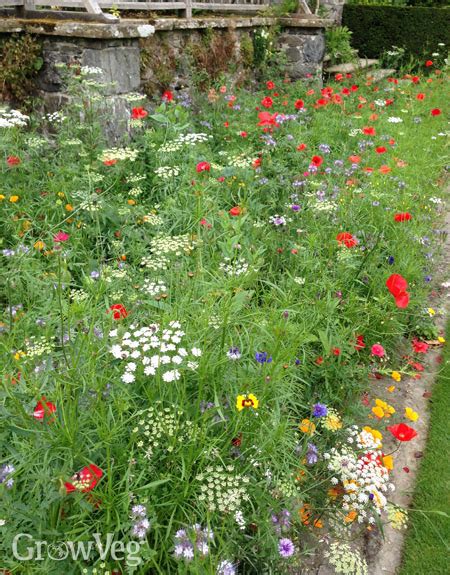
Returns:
(143, 28)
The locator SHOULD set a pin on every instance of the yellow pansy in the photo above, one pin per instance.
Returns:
(243, 401)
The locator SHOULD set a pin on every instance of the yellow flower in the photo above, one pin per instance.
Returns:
(388, 462)
(441, 339)
(2, 197)
(332, 421)
(396, 376)
(61, 194)
(249, 400)
(19, 354)
(382, 409)
(39, 245)
(13, 199)
(391, 388)
(411, 414)
(378, 412)
(69, 208)
(307, 426)
(131, 202)
(431, 311)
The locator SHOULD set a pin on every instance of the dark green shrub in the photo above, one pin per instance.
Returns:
(377, 28)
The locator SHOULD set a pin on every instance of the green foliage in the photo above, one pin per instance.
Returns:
(247, 51)
(21, 60)
(338, 44)
(377, 28)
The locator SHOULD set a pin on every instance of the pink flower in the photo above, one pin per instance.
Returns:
(60, 237)
(377, 350)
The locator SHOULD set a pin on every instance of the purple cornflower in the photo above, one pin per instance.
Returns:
(234, 353)
(312, 455)
(95, 274)
(226, 568)
(286, 548)
(261, 357)
(8, 253)
(5, 471)
(391, 260)
(295, 208)
(320, 410)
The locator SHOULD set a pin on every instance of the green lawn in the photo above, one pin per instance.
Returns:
(427, 548)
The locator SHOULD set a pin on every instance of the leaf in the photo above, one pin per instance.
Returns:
(160, 118)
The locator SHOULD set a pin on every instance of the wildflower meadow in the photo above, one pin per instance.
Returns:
(201, 324)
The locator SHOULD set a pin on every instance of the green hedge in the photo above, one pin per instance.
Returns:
(378, 28)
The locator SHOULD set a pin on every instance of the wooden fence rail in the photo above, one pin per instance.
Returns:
(96, 7)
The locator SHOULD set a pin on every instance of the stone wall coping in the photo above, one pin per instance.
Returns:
(78, 29)
(240, 21)
(141, 28)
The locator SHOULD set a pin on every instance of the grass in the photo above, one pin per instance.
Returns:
(427, 542)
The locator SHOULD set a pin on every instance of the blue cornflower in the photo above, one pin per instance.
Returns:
(320, 410)
(261, 357)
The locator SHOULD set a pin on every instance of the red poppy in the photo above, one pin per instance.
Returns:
(43, 408)
(380, 150)
(167, 96)
(267, 119)
(109, 162)
(299, 104)
(319, 360)
(267, 102)
(428, 63)
(336, 351)
(270, 85)
(256, 163)
(236, 211)
(360, 342)
(420, 96)
(301, 147)
(139, 113)
(397, 285)
(402, 217)
(369, 131)
(419, 346)
(13, 161)
(317, 161)
(354, 159)
(205, 223)
(402, 432)
(435, 112)
(203, 167)
(338, 77)
(347, 239)
(119, 311)
(84, 480)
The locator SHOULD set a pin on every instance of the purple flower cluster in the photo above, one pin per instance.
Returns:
(6, 471)
(141, 523)
(226, 568)
(312, 455)
(281, 521)
(194, 538)
(234, 353)
(262, 357)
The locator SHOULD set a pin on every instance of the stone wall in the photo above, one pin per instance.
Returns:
(154, 55)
